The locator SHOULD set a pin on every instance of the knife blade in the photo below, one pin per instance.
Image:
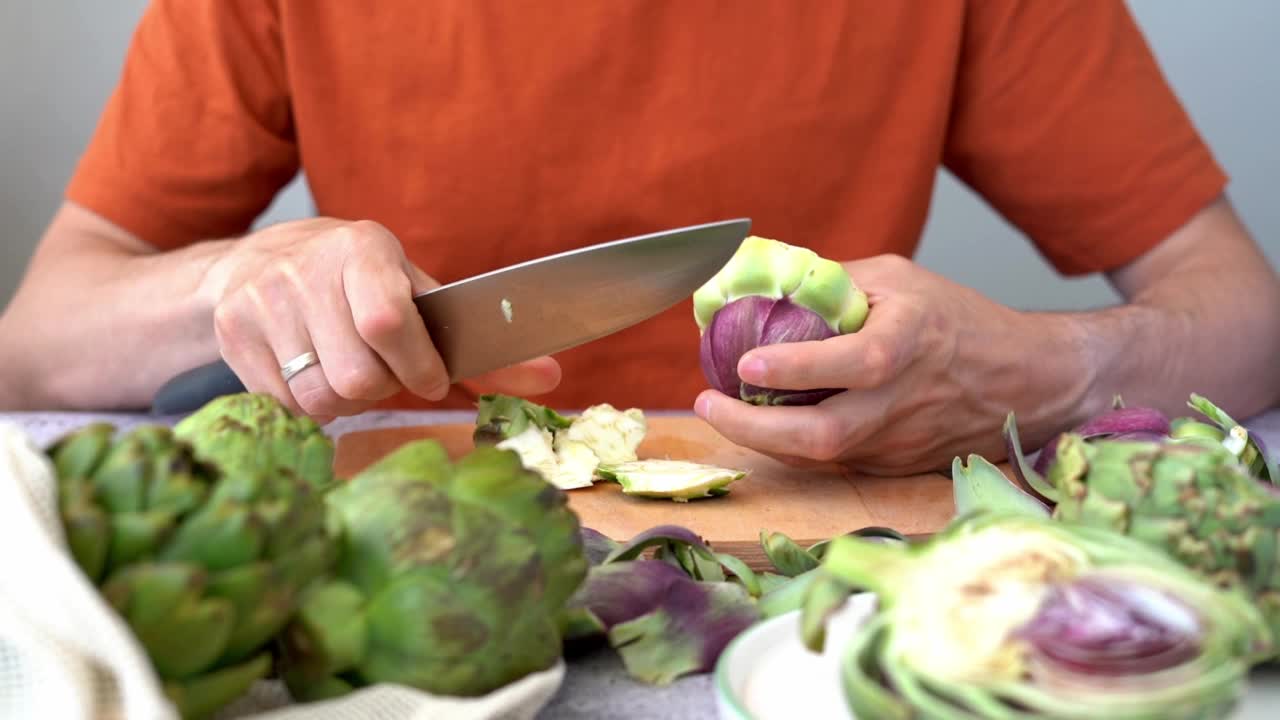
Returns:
(534, 308)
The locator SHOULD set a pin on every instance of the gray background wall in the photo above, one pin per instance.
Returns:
(59, 61)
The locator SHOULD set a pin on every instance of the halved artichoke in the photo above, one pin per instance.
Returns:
(1008, 616)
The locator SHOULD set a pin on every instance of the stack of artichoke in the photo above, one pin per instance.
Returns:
(206, 563)
(231, 552)
(1008, 616)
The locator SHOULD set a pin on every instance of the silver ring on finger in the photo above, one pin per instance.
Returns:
(298, 364)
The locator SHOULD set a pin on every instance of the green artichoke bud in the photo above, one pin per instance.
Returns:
(770, 292)
(451, 578)
(1198, 502)
(1004, 616)
(250, 433)
(205, 565)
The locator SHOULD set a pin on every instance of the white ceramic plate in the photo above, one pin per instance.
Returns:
(767, 673)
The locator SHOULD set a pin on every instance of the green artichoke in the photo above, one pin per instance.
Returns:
(205, 565)
(451, 577)
(255, 433)
(1008, 616)
(1196, 501)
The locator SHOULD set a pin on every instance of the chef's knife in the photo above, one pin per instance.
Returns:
(534, 308)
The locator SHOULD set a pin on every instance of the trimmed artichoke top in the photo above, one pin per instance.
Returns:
(776, 270)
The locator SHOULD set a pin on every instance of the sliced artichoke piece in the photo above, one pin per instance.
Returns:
(613, 435)
(564, 451)
(534, 446)
(679, 480)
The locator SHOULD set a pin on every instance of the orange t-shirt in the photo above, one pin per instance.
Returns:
(487, 132)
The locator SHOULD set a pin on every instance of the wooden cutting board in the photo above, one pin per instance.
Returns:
(807, 505)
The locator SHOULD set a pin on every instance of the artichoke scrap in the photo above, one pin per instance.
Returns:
(1009, 616)
(1198, 502)
(667, 615)
(564, 451)
(600, 444)
(451, 578)
(205, 564)
(771, 292)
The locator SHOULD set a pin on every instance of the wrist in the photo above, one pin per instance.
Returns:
(1065, 370)
(219, 269)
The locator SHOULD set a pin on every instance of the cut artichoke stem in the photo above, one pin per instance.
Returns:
(679, 480)
(1236, 440)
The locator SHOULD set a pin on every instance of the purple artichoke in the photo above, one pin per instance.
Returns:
(769, 293)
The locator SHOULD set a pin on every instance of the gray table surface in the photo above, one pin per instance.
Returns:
(596, 685)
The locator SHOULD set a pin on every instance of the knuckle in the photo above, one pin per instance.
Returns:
(228, 324)
(358, 382)
(379, 321)
(825, 439)
(877, 362)
(371, 229)
(318, 399)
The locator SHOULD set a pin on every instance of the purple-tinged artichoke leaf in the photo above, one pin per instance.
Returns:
(597, 545)
(656, 536)
(1030, 479)
(617, 592)
(981, 486)
(785, 555)
(686, 633)
(1118, 423)
(735, 330)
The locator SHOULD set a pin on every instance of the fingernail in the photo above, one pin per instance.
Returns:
(752, 369)
(703, 408)
(438, 393)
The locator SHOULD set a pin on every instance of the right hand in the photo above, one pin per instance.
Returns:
(343, 290)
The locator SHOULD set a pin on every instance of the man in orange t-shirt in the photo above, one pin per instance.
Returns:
(444, 139)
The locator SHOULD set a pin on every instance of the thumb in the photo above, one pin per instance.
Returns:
(526, 379)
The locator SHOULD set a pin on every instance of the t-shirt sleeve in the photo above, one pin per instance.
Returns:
(197, 137)
(1065, 124)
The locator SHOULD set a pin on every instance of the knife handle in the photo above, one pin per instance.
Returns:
(190, 390)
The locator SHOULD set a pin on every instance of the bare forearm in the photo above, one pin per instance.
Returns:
(1217, 335)
(1202, 316)
(108, 329)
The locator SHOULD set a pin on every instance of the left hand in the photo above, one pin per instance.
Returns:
(931, 375)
